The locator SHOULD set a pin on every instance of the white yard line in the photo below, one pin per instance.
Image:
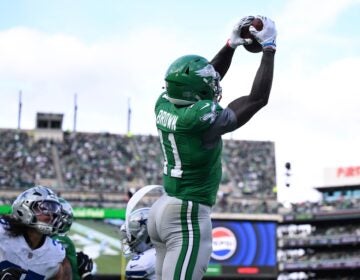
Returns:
(87, 231)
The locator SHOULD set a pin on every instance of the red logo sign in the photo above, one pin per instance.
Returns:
(352, 171)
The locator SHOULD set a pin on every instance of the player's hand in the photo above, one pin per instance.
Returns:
(11, 273)
(235, 40)
(267, 36)
(85, 265)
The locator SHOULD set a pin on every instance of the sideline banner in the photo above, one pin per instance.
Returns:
(85, 212)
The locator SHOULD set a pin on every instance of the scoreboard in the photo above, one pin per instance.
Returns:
(243, 249)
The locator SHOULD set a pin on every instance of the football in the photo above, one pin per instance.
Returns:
(255, 46)
(258, 24)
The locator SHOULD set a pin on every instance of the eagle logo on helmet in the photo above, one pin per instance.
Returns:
(207, 71)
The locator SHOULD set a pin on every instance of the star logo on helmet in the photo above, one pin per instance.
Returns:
(142, 221)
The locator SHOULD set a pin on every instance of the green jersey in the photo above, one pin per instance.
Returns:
(70, 254)
(191, 171)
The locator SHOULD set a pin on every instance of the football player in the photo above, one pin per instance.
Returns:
(190, 124)
(137, 246)
(26, 249)
(81, 264)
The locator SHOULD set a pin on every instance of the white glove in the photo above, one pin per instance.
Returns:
(267, 36)
(235, 39)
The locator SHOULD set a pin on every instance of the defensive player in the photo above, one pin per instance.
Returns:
(26, 250)
(138, 248)
(81, 264)
(190, 123)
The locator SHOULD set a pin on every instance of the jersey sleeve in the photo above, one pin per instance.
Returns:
(162, 99)
(201, 115)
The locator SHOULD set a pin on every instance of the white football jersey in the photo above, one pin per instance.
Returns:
(41, 263)
(142, 266)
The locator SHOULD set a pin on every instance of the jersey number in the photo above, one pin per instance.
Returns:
(176, 171)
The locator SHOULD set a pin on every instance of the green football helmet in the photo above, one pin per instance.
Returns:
(191, 78)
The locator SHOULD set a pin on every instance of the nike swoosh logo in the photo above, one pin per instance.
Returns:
(206, 105)
(131, 266)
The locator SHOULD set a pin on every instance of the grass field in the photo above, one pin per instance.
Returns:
(101, 242)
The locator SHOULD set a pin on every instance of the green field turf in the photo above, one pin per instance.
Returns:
(100, 226)
(106, 263)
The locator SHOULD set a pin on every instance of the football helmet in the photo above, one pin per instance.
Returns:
(66, 218)
(139, 240)
(191, 78)
(36, 202)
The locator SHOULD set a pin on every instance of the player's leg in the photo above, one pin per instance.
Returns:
(205, 247)
(160, 255)
(186, 230)
(155, 239)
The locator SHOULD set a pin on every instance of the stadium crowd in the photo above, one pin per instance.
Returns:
(94, 164)
(251, 166)
(318, 247)
(89, 168)
(96, 161)
(23, 161)
(311, 256)
(306, 231)
(322, 206)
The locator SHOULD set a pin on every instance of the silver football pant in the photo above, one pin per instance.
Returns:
(181, 233)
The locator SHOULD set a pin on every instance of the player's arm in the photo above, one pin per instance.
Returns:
(243, 108)
(222, 59)
(246, 106)
(70, 252)
(65, 272)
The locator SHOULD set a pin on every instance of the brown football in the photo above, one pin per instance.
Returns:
(255, 46)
